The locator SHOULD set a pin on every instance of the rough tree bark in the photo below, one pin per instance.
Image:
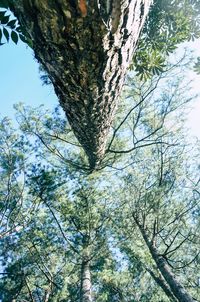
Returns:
(85, 48)
(175, 286)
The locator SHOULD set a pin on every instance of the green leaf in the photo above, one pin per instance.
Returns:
(14, 36)
(5, 20)
(197, 66)
(2, 14)
(12, 24)
(4, 3)
(6, 33)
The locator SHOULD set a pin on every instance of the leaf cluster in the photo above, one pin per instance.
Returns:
(169, 23)
(10, 28)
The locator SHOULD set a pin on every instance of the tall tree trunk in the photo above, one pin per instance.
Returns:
(85, 48)
(86, 285)
(162, 283)
(176, 287)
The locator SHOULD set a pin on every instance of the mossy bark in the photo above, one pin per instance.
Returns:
(85, 48)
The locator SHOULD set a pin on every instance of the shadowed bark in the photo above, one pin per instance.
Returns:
(85, 48)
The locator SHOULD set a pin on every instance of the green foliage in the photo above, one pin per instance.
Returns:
(4, 3)
(52, 210)
(197, 66)
(10, 29)
(169, 23)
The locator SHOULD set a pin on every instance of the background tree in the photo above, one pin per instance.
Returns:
(164, 209)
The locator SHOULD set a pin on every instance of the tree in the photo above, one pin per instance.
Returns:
(77, 237)
(85, 48)
(161, 200)
(163, 206)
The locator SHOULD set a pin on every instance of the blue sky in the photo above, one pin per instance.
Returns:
(20, 82)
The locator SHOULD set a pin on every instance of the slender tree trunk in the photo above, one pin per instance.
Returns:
(86, 284)
(162, 283)
(176, 287)
(85, 48)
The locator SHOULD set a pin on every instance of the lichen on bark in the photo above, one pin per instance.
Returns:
(85, 47)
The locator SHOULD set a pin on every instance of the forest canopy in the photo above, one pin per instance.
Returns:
(56, 218)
